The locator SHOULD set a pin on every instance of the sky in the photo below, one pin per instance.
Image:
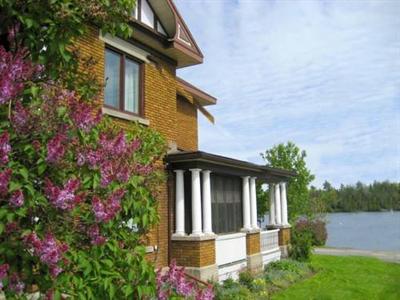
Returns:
(322, 74)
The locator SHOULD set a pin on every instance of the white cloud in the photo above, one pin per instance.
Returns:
(325, 75)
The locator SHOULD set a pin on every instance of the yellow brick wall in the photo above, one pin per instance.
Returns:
(165, 115)
(193, 253)
(284, 236)
(187, 125)
(253, 243)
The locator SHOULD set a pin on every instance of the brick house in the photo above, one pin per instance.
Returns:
(208, 213)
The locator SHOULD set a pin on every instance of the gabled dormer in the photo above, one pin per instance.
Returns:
(158, 24)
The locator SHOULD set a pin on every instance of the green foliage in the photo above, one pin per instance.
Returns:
(231, 290)
(359, 197)
(277, 275)
(300, 244)
(246, 278)
(262, 201)
(290, 157)
(50, 27)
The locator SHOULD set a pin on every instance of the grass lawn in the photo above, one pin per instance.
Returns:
(347, 278)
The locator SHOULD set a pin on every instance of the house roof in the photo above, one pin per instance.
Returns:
(202, 97)
(178, 44)
(226, 165)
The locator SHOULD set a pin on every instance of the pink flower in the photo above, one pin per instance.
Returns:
(20, 118)
(3, 271)
(95, 236)
(143, 170)
(104, 212)
(55, 271)
(83, 115)
(15, 284)
(107, 173)
(17, 199)
(11, 227)
(56, 148)
(49, 250)
(5, 177)
(64, 198)
(5, 147)
(15, 68)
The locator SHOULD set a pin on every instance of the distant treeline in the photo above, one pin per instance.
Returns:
(359, 197)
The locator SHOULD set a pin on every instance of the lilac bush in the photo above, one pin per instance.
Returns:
(70, 182)
(175, 283)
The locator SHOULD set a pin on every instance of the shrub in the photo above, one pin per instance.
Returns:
(301, 244)
(232, 292)
(77, 193)
(246, 279)
(320, 234)
(289, 265)
(317, 229)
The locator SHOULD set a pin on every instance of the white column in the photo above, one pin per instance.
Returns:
(179, 203)
(284, 204)
(272, 219)
(278, 213)
(253, 203)
(207, 227)
(196, 203)
(246, 203)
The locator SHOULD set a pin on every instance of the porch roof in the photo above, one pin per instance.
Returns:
(225, 165)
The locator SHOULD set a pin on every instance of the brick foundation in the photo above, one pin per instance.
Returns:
(193, 253)
(197, 255)
(254, 257)
(284, 240)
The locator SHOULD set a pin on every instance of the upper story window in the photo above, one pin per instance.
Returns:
(123, 78)
(144, 13)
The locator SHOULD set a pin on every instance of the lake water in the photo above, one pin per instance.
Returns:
(364, 230)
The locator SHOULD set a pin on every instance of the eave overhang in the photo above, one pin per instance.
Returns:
(225, 165)
(200, 96)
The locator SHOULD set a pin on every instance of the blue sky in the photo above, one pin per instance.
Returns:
(323, 74)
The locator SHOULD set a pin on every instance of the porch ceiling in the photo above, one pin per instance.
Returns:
(226, 165)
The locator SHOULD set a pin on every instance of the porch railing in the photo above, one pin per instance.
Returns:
(269, 240)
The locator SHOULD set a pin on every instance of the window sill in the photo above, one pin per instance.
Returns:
(125, 116)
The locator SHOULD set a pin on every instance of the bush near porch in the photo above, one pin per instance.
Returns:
(276, 276)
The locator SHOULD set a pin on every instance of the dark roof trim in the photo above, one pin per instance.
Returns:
(196, 158)
(205, 99)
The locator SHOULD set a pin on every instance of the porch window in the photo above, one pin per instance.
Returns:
(123, 76)
(226, 199)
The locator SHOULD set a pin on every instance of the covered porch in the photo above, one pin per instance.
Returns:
(215, 228)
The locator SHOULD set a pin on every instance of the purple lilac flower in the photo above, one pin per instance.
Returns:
(5, 147)
(56, 148)
(83, 115)
(14, 70)
(17, 199)
(65, 198)
(95, 236)
(20, 117)
(49, 250)
(106, 172)
(3, 273)
(3, 270)
(5, 177)
(15, 284)
(104, 212)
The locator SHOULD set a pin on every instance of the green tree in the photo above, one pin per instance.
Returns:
(289, 157)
